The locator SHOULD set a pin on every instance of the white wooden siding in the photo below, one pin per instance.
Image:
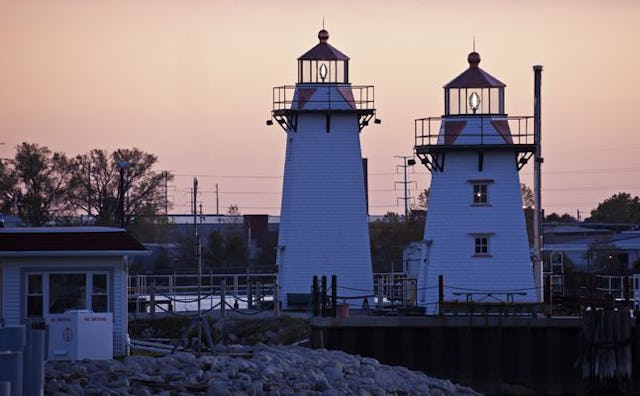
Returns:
(323, 228)
(452, 221)
(11, 299)
(14, 287)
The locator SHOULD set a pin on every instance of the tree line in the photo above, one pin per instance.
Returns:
(111, 189)
(123, 188)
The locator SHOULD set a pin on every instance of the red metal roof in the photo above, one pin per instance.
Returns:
(73, 241)
(474, 76)
(324, 50)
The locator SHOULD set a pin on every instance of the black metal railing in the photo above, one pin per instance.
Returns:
(363, 98)
(428, 130)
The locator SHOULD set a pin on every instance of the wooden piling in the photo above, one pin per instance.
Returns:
(223, 300)
(276, 299)
(323, 296)
(152, 300)
(606, 358)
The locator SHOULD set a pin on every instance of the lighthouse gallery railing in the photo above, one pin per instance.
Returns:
(428, 131)
(363, 97)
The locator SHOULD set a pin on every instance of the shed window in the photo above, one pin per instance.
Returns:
(67, 291)
(34, 295)
(58, 292)
(99, 293)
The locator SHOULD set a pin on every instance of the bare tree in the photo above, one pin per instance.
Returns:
(233, 210)
(423, 200)
(102, 182)
(528, 201)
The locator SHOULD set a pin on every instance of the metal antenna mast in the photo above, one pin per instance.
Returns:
(199, 320)
(198, 256)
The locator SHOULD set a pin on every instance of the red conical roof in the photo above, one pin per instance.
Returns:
(323, 51)
(474, 76)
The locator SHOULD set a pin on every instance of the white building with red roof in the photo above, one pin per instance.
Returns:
(52, 270)
(475, 233)
(323, 225)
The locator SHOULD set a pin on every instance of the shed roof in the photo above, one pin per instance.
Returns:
(69, 240)
(571, 229)
(474, 76)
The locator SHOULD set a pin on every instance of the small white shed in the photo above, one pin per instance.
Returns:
(51, 270)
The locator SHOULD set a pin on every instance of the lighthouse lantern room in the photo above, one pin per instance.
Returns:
(475, 233)
(323, 225)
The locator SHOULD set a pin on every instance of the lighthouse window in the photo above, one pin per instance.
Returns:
(482, 245)
(480, 193)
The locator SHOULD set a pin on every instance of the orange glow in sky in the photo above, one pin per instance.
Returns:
(191, 82)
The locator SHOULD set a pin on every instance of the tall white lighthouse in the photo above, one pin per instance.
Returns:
(323, 225)
(475, 233)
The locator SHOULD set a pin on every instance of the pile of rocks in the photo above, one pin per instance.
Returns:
(243, 370)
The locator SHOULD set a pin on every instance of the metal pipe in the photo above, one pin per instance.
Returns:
(198, 256)
(537, 181)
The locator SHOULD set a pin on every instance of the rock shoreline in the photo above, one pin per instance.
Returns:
(244, 370)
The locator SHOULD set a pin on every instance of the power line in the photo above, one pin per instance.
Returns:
(229, 176)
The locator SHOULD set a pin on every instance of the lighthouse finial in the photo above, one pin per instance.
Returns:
(474, 57)
(323, 35)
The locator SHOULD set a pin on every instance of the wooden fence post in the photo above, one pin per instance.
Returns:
(223, 300)
(380, 293)
(276, 299)
(152, 299)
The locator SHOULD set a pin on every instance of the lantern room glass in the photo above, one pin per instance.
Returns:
(458, 101)
(313, 71)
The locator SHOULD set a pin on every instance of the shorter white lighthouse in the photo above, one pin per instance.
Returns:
(323, 226)
(475, 233)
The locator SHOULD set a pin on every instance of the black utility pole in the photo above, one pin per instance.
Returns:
(121, 191)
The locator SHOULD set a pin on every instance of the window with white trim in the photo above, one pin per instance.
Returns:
(67, 291)
(99, 293)
(35, 295)
(482, 245)
(57, 292)
(480, 193)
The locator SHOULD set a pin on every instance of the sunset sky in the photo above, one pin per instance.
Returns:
(191, 81)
